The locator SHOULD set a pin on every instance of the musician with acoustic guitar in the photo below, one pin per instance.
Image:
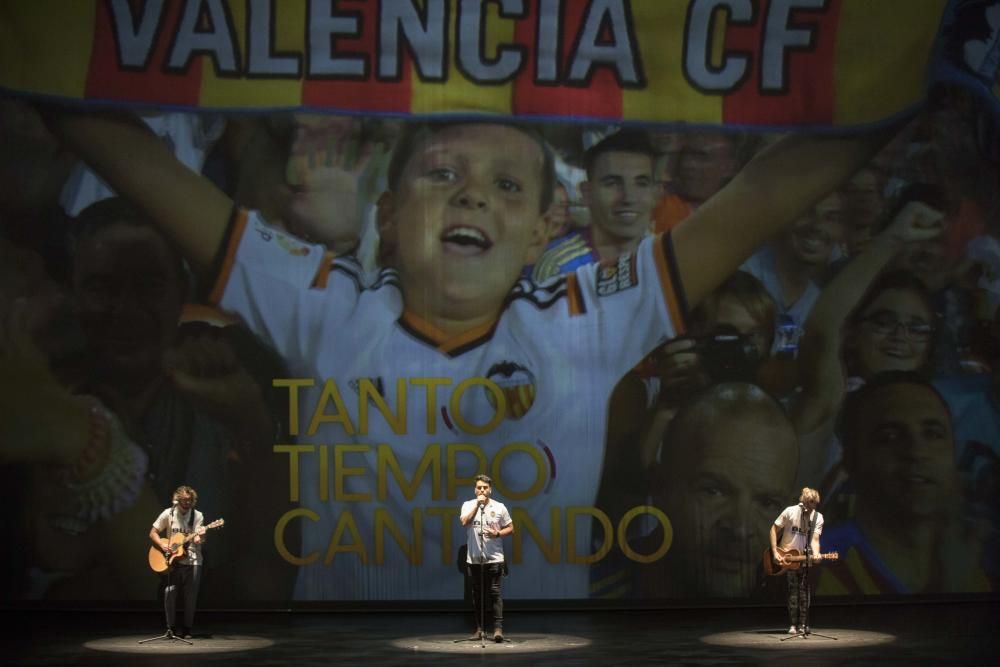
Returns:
(172, 534)
(800, 527)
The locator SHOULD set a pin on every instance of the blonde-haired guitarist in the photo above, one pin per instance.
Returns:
(800, 527)
(184, 572)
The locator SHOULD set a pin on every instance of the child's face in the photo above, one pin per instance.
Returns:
(465, 217)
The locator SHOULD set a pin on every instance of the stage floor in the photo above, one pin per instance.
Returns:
(929, 633)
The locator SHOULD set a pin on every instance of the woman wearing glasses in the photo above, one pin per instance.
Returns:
(862, 324)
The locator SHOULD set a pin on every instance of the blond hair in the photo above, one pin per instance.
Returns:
(809, 495)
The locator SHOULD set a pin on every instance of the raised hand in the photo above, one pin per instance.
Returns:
(915, 222)
(680, 370)
(205, 367)
(326, 176)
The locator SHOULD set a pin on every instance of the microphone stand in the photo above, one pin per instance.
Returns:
(804, 585)
(169, 634)
(482, 586)
(482, 576)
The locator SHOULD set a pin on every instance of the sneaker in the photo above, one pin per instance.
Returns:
(170, 631)
(793, 630)
(497, 635)
(805, 630)
(478, 634)
(185, 633)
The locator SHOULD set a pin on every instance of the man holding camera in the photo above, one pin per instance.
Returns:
(486, 521)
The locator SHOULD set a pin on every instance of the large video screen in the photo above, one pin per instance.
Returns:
(650, 267)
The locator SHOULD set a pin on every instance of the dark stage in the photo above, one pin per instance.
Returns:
(952, 633)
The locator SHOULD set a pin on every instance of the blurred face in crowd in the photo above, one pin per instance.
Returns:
(668, 150)
(706, 162)
(732, 312)
(813, 237)
(723, 501)
(927, 259)
(621, 194)
(862, 198)
(128, 294)
(558, 218)
(904, 460)
(893, 333)
(466, 218)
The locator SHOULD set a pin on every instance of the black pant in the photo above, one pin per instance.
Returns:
(490, 577)
(186, 579)
(798, 598)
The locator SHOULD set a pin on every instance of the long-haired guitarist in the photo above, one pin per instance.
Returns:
(184, 573)
(800, 526)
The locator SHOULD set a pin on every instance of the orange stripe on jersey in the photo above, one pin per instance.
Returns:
(323, 273)
(440, 339)
(235, 235)
(574, 298)
(669, 283)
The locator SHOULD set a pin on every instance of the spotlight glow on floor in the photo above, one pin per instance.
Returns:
(835, 638)
(217, 643)
(518, 643)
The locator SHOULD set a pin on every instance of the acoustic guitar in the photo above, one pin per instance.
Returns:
(795, 559)
(160, 561)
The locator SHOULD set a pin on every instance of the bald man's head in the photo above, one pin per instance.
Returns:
(728, 468)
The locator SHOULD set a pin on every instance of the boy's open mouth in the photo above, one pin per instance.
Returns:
(466, 240)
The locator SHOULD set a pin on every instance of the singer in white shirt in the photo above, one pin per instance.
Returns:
(800, 525)
(486, 522)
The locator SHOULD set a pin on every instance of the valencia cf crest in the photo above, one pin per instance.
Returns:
(517, 384)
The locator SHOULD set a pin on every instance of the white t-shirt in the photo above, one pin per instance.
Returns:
(795, 530)
(396, 460)
(172, 521)
(495, 516)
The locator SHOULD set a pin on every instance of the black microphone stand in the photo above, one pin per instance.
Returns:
(482, 585)
(169, 634)
(804, 585)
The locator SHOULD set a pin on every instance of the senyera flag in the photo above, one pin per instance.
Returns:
(752, 63)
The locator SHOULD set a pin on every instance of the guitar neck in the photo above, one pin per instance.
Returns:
(804, 557)
(201, 531)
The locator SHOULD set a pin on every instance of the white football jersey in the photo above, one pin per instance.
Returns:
(408, 419)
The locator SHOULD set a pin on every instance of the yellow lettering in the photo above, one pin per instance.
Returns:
(293, 399)
(341, 471)
(571, 516)
(540, 471)
(367, 390)
(456, 402)
(431, 460)
(431, 385)
(523, 523)
(668, 534)
(324, 472)
(455, 482)
(331, 393)
(448, 517)
(279, 536)
(383, 522)
(346, 524)
(293, 452)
